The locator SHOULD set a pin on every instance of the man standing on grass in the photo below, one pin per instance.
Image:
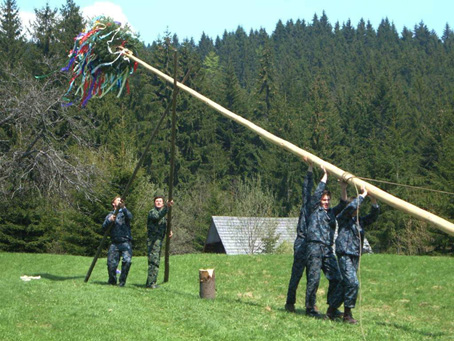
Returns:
(299, 247)
(349, 244)
(319, 254)
(120, 236)
(156, 228)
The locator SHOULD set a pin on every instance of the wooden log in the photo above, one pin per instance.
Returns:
(440, 223)
(207, 281)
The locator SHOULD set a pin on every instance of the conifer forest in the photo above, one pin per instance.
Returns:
(373, 101)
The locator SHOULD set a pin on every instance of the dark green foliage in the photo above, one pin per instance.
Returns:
(45, 30)
(11, 33)
(69, 26)
(372, 101)
(27, 225)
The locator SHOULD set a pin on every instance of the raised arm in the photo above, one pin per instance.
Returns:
(315, 199)
(373, 214)
(343, 186)
(307, 186)
(352, 206)
(126, 212)
(343, 202)
(110, 218)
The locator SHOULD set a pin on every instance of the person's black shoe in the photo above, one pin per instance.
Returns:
(348, 317)
(290, 307)
(312, 312)
(338, 314)
(333, 313)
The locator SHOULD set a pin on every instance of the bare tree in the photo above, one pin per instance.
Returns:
(259, 234)
(39, 138)
(253, 203)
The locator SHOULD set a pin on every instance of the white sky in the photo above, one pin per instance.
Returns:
(189, 19)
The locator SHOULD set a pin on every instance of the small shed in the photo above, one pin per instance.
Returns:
(248, 235)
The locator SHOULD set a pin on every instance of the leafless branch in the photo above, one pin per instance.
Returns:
(37, 130)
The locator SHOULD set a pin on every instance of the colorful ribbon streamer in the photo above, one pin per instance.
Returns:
(97, 67)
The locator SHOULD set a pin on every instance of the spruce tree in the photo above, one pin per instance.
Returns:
(11, 37)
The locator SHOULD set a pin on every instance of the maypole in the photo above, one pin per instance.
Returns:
(440, 223)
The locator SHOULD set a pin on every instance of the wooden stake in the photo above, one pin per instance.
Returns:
(379, 194)
(172, 168)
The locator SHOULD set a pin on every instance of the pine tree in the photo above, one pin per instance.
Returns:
(266, 87)
(70, 23)
(44, 30)
(11, 37)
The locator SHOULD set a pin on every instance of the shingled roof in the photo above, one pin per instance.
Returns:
(245, 235)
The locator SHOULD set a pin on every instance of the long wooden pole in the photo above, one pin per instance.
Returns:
(172, 170)
(440, 223)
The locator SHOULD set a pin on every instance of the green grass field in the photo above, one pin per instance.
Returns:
(402, 298)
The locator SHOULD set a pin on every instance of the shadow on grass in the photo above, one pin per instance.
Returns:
(57, 278)
(412, 330)
(301, 312)
(102, 283)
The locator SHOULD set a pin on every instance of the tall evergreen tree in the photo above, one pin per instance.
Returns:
(266, 87)
(70, 23)
(11, 36)
(44, 30)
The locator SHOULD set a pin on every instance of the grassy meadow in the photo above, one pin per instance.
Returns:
(402, 298)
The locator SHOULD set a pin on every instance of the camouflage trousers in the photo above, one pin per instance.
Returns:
(154, 246)
(117, 251)
(349, 267)
(299, 263)
(321, 257)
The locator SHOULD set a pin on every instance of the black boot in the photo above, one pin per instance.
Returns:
(290, 307)
(124, 273)
(313, 312)
(348, 317)
(112, 276)
(331, 313)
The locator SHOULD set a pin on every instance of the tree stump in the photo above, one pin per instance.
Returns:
(207, 283)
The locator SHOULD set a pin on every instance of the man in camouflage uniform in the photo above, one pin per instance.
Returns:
(156, 228)
(299, 247)
(348, 248)
(120, 236)
(319, 253)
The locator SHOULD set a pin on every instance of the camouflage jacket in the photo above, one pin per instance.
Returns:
(301, 228)
(157, 223)
(121, 230)
(350, 237)
(322, 223)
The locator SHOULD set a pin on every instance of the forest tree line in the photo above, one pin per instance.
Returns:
(373, 101)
